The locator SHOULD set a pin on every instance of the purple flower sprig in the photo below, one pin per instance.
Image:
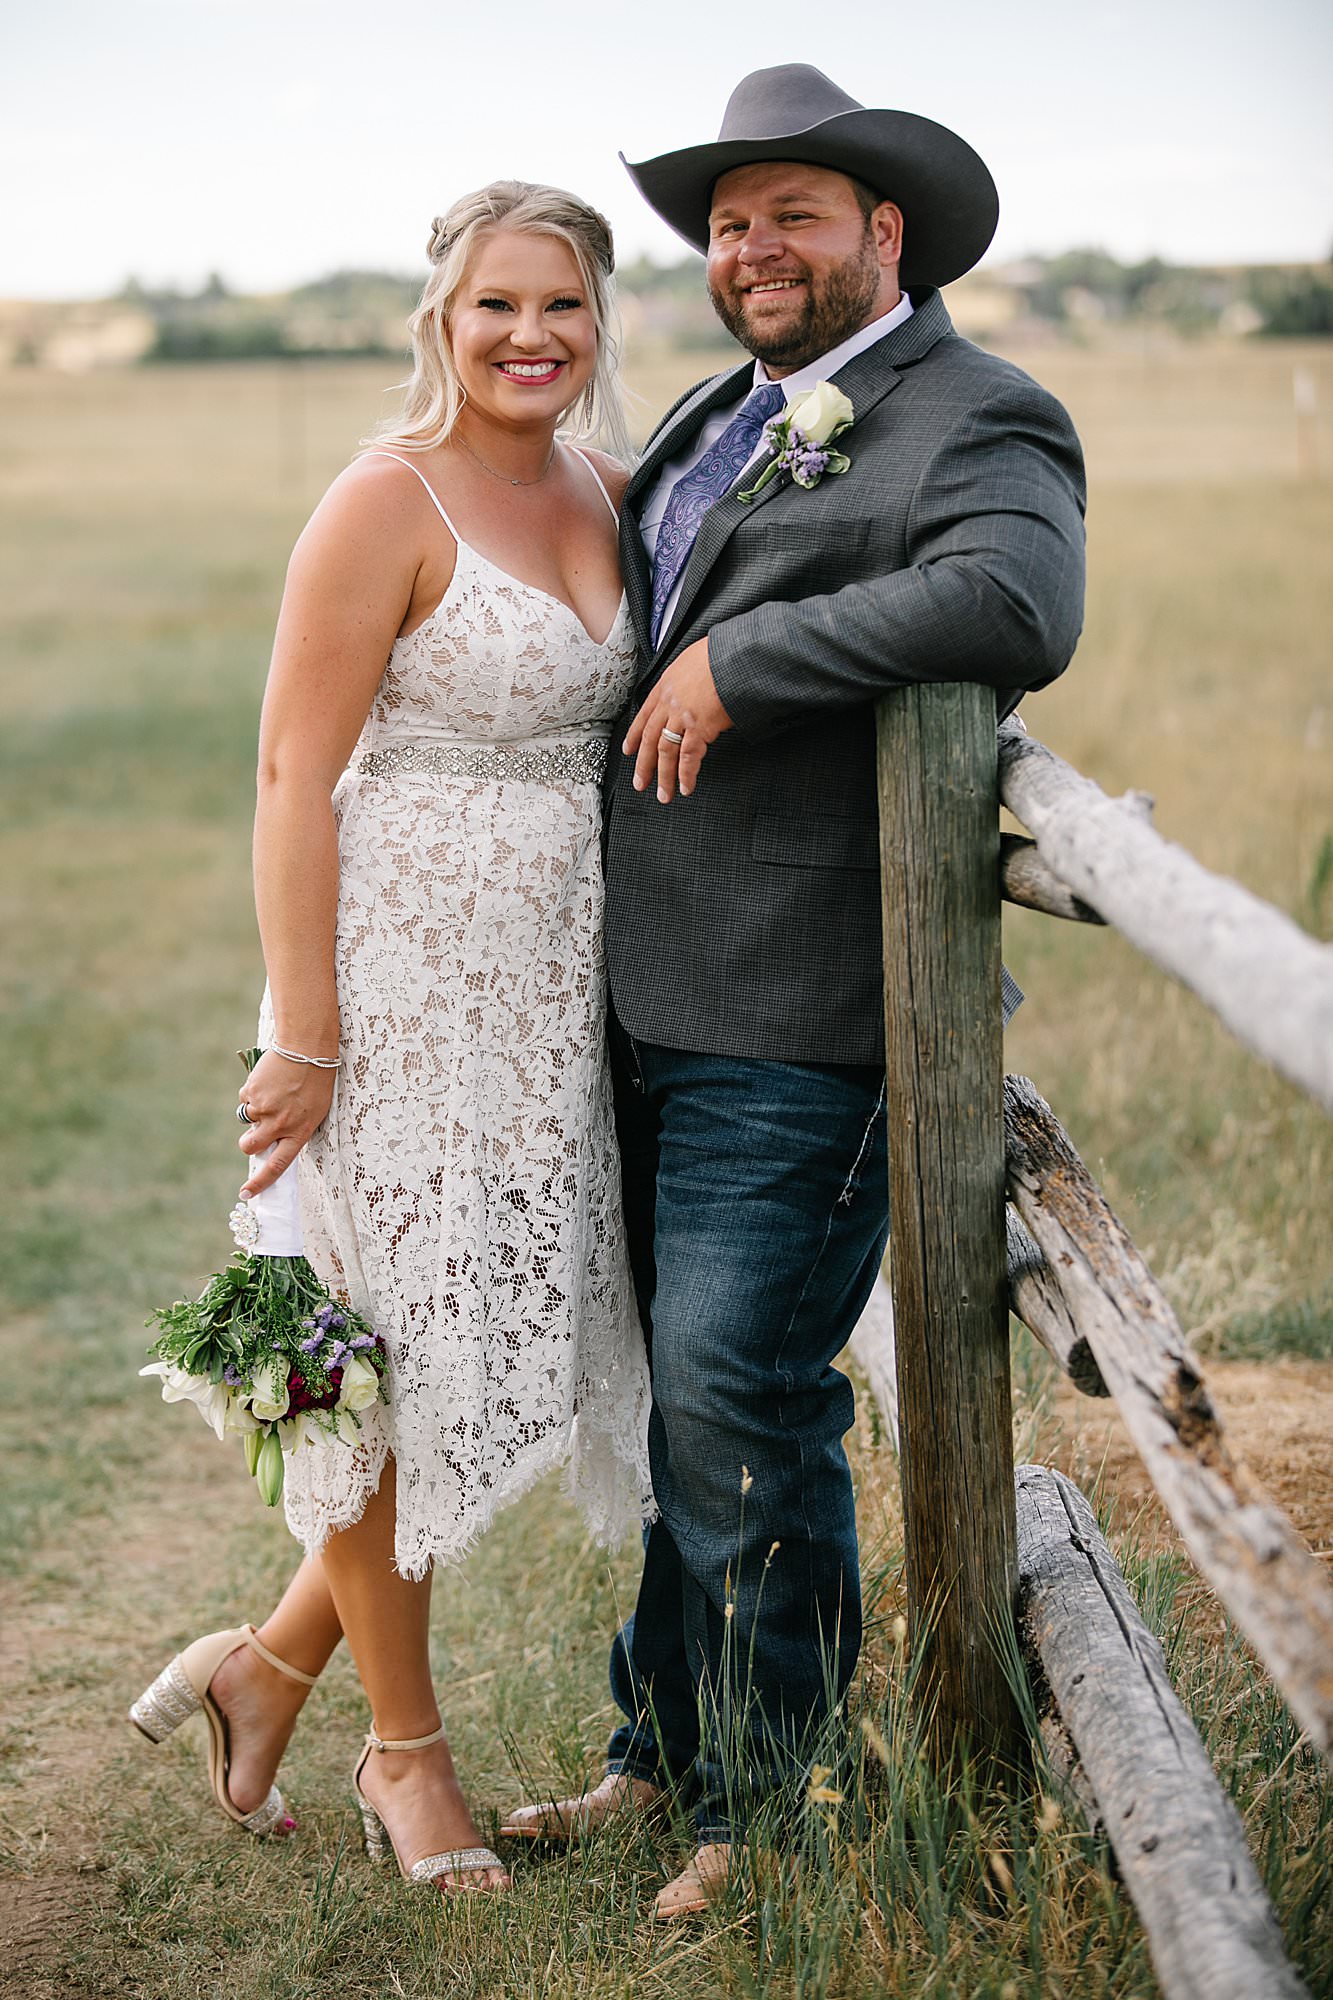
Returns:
(799, 455)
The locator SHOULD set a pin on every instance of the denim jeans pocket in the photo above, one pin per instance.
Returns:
(865, 1152)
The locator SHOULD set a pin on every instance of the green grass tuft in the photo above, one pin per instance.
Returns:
(138, 600)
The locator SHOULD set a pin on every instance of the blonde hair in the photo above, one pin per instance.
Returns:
(433, 394)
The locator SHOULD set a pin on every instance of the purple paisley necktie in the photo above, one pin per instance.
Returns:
(696, 490)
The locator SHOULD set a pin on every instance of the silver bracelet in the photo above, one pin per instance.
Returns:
(312, 1062)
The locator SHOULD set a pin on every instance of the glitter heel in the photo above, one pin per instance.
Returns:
(166, 1704)
(182, 1688)
(442, 1871)
(377, 1845)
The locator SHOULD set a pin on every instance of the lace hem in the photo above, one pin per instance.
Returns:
(610, 1491)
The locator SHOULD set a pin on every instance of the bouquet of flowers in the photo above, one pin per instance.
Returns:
(264, 1352)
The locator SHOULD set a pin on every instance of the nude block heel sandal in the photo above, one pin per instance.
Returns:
(431, 1868)
(182, 1687)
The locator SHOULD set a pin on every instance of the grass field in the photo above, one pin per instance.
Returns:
(146, 521)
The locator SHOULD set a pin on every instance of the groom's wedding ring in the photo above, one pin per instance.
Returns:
(243, 1113)
(671, 736)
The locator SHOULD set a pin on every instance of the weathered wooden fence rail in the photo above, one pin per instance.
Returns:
(1034, 1298)
(1266, 978)
(1274, 1588)
(960, 1141)
(1176, 1834)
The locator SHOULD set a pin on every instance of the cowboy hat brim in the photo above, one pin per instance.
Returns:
(944, 189)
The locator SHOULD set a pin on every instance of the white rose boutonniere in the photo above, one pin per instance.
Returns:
(801, 442)
(821, 413)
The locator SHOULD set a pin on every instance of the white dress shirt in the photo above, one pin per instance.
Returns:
(794, 385)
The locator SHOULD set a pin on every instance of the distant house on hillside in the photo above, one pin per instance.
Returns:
(73, 338)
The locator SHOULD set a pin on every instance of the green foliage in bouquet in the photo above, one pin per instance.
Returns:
(266, 1354)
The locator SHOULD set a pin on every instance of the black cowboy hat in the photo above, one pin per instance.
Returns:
(794, 112)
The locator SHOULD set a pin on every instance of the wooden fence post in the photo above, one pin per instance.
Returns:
(939, 851)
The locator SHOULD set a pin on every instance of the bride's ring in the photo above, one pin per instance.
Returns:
(670, 736)
(243, 1113)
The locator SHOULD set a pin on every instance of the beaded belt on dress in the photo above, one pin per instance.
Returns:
(583, 762)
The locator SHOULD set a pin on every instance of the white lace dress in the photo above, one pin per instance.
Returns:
(464, 1190)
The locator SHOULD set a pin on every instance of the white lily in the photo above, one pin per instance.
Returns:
(211, 1399)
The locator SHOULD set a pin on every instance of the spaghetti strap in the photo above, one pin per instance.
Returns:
(435, 498)
(615, 516)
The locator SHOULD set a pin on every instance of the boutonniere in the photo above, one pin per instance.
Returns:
(801, 441)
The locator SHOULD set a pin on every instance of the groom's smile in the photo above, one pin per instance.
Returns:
(796, 260)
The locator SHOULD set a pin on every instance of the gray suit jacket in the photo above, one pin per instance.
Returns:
(745, 920)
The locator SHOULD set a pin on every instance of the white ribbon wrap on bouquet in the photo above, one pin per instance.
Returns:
(268, 1224)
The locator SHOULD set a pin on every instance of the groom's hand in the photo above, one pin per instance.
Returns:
(684, 701)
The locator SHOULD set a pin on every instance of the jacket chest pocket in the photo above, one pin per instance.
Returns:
(807, 554)
(790, 535)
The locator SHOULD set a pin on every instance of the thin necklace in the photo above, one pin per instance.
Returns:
(504, 475)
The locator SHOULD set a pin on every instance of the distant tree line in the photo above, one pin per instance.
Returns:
(1288, 299)
(1295, 302)
(347, 314)
(353, 313)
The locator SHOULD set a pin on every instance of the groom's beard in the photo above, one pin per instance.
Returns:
(832, 309)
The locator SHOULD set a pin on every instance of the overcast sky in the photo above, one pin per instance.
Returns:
(275, 140)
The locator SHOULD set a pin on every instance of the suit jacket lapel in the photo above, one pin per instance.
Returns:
(672, 438)
(866, 380)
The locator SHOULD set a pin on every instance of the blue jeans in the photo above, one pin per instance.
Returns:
(756, 1201)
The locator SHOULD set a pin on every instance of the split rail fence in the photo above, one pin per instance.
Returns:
(992, 1211)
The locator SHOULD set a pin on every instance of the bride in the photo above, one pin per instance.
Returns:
(452, 649)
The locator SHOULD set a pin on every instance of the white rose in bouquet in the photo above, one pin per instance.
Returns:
(268, 1395)
(360, 1385)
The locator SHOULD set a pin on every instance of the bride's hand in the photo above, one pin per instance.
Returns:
(286, 1102)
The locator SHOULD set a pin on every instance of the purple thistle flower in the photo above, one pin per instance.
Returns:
(337, 1319)
(307, 1322)
(338, 1358)
(361, 1343)
(315, 1342)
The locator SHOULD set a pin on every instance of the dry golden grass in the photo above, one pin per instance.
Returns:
(146, 521)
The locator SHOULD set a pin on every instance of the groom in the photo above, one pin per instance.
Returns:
(742, 914)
